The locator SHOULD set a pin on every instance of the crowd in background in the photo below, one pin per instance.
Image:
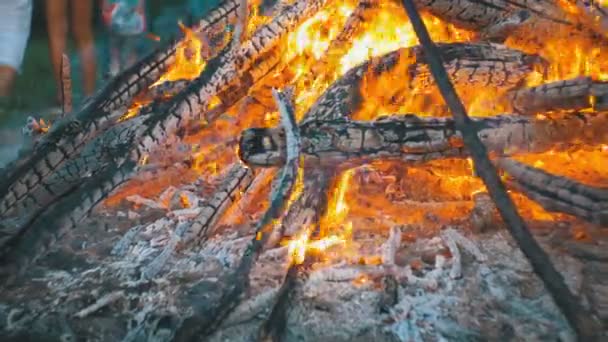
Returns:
(125, 25)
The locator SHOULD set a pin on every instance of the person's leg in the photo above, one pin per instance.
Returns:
(57, 28)
(82, 29)
(15, 21)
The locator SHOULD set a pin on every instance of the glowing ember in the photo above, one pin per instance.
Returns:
(298, 247)
(134, 109)
(189, 62)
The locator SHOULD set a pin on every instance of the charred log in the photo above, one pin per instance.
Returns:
(238, 180)
(490, 15)
(60, 218)
(559, 194)
(574, 94)
(203, 323)
(67, 137)
(595, 14)
(587, 328)
(418, 139)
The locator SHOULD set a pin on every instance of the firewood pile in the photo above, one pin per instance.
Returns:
(289, 170)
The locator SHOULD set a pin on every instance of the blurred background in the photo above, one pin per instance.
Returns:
(34, 89)
(35, 92)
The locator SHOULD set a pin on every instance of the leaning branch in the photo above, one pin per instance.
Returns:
(581, 321)
(203, 323)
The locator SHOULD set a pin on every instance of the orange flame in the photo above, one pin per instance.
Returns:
(189, 62)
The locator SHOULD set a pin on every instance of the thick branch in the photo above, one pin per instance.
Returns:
(205, 322)
(237, 180)
(413, 138)
(557, 193)
(67, 137)
(574, 94)
(62, 217)
(585, 326)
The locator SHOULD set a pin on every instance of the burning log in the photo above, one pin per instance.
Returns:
(418, 139)
(60, 218)
(559, 194)
(67, 138)
(95, 159)
(586, 327)
(343, 41)
(469, 65)
(238, 180)
(595, 13)
(574, 94)
(491, 16)
(282, 187)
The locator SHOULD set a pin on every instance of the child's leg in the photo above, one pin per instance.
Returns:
(82, 27)
(57, 28)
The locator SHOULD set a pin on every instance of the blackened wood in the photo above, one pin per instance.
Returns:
(581, 321)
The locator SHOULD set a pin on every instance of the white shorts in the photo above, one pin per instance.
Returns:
(15, 21)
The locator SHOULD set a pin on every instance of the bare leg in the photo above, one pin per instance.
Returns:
(57, 28)
(7, 80)
(82, 29)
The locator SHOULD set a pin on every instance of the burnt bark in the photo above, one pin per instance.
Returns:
(418, 139)
(587, 327)
(574, 94)
(558, 194)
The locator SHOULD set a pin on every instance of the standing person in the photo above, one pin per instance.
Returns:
(126, 24)
(79, 14)
(15, 21)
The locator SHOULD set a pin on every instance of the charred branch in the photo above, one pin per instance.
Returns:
(418, 139)
(493, 15)
(282, 187)
(237, 180)
(59, 219)
(586, 327)
(559, 194)
(68, 137)
(574, 94)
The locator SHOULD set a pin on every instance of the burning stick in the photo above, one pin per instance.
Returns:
(418, 139)
(238, 282)
(586, 327)
(559, 194)
(574, 94)
(595, 14)
(59, 218)
(66, 85)
(68, 137)
(237, 180)
(490, 14)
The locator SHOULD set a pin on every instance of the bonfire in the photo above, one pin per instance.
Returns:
(314, 170)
